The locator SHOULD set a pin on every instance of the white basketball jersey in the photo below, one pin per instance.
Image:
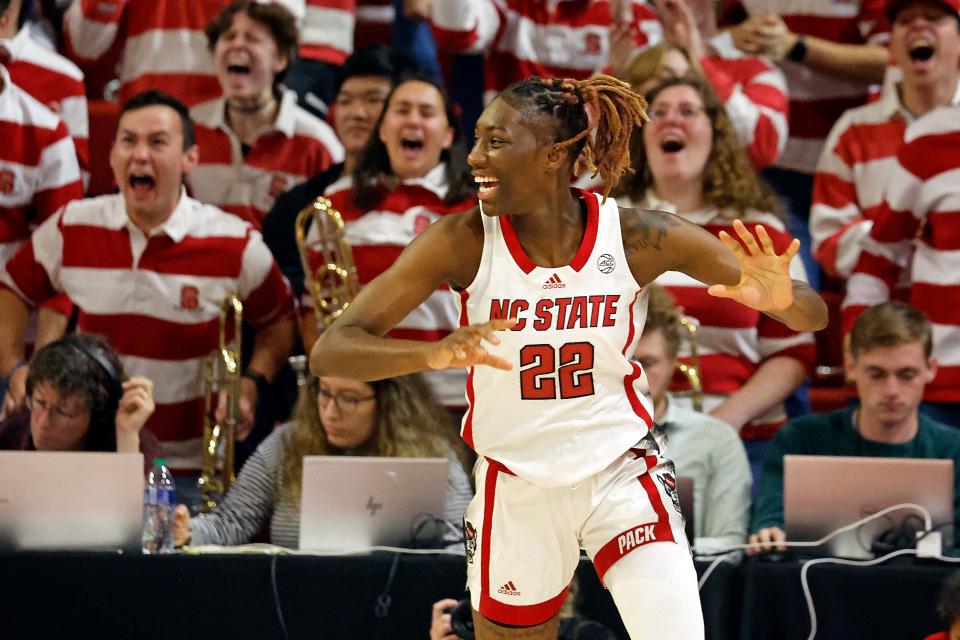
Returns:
(574, 400)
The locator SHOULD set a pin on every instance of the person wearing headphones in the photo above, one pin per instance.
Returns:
(889, 361)
(78, 399)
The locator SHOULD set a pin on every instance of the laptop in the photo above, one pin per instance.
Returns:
(354, 503)
(70, 500)
(824, 493)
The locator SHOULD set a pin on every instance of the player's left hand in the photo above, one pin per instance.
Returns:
(765, 283)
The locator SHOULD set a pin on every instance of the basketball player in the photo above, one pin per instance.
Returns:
(551, 285)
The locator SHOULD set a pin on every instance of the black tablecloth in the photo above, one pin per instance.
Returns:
(102, 595)
(895, 601)
(182, 596)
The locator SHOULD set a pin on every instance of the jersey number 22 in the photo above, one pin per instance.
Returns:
(548, 373)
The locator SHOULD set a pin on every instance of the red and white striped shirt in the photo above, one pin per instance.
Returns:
(379, 236)
(852, 179)
(817, 100)
(374, 24)
(916, 229)
(298, 146)
(156, 298)
(327, 33)
(754, 94)
(734, 340)
(522, 38)
(164, 46)
(38, 166)
(52, 79)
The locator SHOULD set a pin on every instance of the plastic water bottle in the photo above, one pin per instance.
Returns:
(159, 502)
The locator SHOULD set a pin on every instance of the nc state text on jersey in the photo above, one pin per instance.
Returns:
(577, 312)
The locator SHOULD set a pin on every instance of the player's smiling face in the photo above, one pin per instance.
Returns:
(508, 160)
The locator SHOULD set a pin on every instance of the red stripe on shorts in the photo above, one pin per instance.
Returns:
(638, 536)
(526, 615)
(649, 460)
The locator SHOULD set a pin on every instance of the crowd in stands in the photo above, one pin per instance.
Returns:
(836, 123)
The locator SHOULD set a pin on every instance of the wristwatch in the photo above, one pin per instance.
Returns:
(799, 50)
(258, 379)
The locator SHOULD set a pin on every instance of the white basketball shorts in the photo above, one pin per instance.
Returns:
(523, 541)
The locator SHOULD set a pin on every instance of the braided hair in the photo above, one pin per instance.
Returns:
(600, 105)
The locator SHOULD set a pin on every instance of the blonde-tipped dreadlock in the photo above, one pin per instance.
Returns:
(600, 104)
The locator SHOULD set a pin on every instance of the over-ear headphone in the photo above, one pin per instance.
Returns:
(108, 414)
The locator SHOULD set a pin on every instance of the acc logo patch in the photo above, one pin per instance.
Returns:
(606, 263)
(670, 486)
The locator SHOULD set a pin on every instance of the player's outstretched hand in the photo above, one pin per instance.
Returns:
(765, 283)
(464, 347)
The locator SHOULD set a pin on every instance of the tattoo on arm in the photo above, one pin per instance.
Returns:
(647, 230)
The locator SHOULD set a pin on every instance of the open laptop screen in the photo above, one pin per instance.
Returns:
(352, 503)
(824, 493)
(70, 500)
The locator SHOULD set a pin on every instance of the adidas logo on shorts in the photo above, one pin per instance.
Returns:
(508, 589)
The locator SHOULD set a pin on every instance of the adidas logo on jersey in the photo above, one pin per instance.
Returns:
(554, 282)
(508, 589)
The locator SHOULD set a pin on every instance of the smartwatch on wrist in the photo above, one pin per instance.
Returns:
(799, 50)
(258, 379)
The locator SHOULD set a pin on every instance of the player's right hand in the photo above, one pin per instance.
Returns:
(464, 347)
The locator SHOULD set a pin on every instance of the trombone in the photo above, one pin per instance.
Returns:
(692, 370)
(221, 375)
(334, 283)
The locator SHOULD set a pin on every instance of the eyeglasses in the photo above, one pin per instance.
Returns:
(39, 404)
(346, 403)
(684, 112)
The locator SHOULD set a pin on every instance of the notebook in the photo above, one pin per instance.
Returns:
(824, 493)
(70, 500)
(353, 503)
